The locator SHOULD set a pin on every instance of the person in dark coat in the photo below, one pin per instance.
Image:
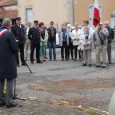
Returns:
(19, 31)
(34, 36)
(8, 71)
(110, 38)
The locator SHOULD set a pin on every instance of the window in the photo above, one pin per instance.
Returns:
(29, 15)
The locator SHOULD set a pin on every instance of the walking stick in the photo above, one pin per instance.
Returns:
(15, 84)
(28, 67)
(14, 95)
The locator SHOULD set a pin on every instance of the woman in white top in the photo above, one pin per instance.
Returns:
(75, 35)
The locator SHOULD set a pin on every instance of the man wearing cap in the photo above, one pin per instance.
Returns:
(19, 31)
(34, 36)
(100, 43)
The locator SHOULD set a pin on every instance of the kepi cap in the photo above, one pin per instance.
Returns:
(18, 18)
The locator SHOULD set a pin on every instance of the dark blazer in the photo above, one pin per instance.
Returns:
(111, 34)
(34, 35)
(8, 50)
(51, 38)
(19, 33)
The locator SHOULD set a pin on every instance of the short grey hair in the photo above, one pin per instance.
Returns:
(6, 22)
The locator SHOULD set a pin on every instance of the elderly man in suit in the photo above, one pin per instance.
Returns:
(86, 42)
(8, 71)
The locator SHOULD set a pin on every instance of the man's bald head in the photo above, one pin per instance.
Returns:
(106, 23)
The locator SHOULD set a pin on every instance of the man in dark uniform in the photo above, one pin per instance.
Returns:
(19, 31)
(34, 36)
(8, 71)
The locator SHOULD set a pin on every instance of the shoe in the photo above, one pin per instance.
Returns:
(55, 59)
(98, 65)
(45, 57)
(75, 59)
(40, 61)
(66, 59)
(14, 97)
(84, 64)
(110, 62)
(24, 64)
(103, 66)
(62, 59)
(13, 104)
(26, 59)
(32, 62)
(89, 65)
(2, 103)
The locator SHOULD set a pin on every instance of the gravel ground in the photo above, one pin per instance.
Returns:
(67, 82)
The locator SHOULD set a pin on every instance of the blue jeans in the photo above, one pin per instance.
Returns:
(52, 46)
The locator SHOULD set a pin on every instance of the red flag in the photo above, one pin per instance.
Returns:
(96, 18)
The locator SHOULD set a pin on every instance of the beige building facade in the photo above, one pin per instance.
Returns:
(43, 10)
(61, 11)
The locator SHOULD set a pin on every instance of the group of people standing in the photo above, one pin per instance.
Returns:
(82, 40)
(35, 36)
(76, 42)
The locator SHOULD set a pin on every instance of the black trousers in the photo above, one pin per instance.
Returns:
(64, 50)
(80, 54)
(75, 48)
(109, 52)
(70, 50)
(33, 47)
(21, 51)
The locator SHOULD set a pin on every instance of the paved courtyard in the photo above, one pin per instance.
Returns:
(56, 88)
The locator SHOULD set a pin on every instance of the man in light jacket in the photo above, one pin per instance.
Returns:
(86, 42)
(100, 43)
